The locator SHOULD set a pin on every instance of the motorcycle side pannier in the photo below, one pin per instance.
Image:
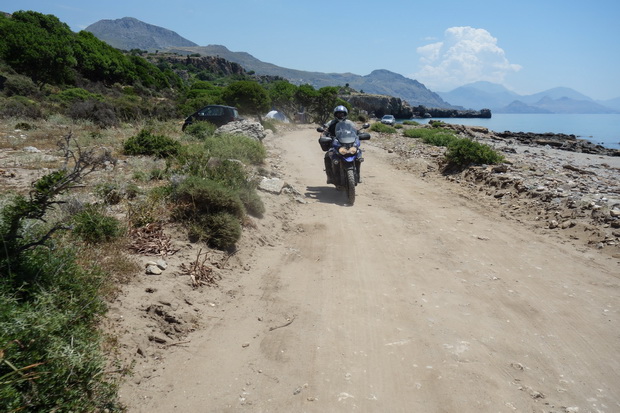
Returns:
(325, 142)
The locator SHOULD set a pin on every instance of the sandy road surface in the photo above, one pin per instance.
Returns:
(413, 300)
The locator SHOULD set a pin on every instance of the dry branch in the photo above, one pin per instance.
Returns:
(151, 240)
(200, 273)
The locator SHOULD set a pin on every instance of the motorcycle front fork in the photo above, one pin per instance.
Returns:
(331, 167)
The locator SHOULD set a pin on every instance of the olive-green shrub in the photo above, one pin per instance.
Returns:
(146, 143)
(465, 152)
(381, 128)
(211, 211)
(93, 226)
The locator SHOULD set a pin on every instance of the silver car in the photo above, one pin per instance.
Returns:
(388, 120)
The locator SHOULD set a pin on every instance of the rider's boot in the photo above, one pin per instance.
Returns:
(328, 170)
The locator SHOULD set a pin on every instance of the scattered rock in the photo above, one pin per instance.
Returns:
(273, 185)
(158, 338)
(153, 270)
(252, 130)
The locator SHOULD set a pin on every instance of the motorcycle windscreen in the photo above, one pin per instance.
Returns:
(346, 133)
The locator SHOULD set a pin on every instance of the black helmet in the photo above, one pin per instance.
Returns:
(341, 112)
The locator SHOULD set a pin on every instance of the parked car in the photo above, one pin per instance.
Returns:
(388, 120)
(216, 114)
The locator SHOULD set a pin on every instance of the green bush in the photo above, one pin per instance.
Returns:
(76, 94)
(437, 123)
(465, 152)
(220, 230)
(212, 211)
(195, 196)
(381, 128)
(50, 354)
(253, 203)
(436, 137)
(232, 175)
(20, 107)
(93, 226)
(18, 85)
(24, 126)
(201, 130)
(145, 143)
(128, 108)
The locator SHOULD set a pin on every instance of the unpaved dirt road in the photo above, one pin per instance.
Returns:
(412, 300)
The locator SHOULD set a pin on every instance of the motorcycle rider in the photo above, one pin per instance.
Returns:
(340, 115)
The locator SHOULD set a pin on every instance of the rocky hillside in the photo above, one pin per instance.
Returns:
(380, 82)
(129, 33)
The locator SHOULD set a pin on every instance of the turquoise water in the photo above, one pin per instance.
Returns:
(600, 129)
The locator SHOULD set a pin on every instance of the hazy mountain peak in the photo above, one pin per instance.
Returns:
(560, 92)
(487, 87)
(130, 33)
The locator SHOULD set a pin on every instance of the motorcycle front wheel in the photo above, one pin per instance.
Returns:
(351, 186)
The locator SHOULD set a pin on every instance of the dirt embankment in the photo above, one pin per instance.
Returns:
(428, 295)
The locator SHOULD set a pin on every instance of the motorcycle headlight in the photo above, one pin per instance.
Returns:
(347, 151)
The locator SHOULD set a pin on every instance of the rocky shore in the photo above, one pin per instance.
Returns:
(557, 184)
(557, 141)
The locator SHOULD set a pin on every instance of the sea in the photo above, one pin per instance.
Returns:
(601, 129)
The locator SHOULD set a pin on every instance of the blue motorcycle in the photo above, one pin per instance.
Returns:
(343, 156)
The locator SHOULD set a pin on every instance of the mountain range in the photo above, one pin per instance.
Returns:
(129, 33)
(501, 100)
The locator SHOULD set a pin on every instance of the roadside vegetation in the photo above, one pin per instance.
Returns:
(50, 346)
(461, 152)
(381, 128)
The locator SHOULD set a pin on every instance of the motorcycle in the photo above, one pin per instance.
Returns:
(343, 156)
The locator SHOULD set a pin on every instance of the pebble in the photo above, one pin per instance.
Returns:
(153, 270)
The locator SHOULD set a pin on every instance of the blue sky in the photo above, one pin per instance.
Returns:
(527, 45)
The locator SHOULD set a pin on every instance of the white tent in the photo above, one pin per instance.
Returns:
(274, 114)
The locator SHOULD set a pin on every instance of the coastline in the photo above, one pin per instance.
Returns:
(600, 129)
(572, 195)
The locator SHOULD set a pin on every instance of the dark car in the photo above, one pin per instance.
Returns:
(216, 114)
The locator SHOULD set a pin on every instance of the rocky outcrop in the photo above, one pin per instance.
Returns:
(379, 105)
(253, 130)
(211, 64)
(453, 113)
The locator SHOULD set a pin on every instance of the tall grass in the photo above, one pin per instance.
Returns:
(247, 150)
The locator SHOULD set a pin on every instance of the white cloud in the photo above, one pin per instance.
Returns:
(465, 55)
